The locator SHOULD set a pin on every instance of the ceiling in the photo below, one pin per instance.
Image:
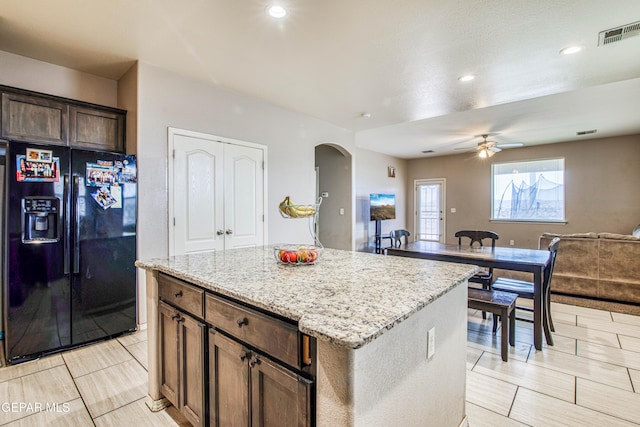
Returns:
(397, 61)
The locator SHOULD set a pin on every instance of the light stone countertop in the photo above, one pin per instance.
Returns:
(347, 298)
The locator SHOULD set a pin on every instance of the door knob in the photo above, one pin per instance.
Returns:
(229, 231)
(219, 232)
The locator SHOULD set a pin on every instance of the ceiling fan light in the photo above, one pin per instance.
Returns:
(483, 153)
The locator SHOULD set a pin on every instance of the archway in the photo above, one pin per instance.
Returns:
(335, 180)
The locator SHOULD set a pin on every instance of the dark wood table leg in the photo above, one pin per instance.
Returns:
(538, 308)
(512, 327)
(504, 337)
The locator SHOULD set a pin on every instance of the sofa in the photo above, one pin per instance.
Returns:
(603, 266)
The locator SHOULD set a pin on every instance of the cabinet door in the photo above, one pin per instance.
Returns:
(169, 372)
(279, 397)
(228, 382)
(96, 129)
(192, 369)
(34, 119)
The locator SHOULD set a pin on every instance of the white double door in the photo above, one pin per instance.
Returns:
(217, 194)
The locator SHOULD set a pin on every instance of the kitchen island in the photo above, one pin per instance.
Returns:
(352, 332)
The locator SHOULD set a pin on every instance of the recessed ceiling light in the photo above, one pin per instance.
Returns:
(466, 78)
(277, 11)
(571, 50)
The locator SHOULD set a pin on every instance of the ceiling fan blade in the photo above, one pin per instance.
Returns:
(495, 149)
(510, 145)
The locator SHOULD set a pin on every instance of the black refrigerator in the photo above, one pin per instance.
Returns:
(70, 248)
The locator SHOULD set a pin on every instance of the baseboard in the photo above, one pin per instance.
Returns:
(598, 304)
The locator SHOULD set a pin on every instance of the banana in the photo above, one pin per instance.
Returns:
(305, 210)
(284, 206)
(288, 208)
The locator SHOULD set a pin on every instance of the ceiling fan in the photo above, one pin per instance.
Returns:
(487, 149)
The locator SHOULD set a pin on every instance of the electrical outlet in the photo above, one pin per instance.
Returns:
(453, 210)
(512, 242)
(431, 342)
(341, 211)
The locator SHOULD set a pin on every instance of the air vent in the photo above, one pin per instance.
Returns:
(619, 33)
(586, 132)
(427, 151)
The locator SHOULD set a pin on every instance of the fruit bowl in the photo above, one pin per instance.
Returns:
(297, 254)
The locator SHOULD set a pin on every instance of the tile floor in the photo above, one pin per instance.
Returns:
(590, 377)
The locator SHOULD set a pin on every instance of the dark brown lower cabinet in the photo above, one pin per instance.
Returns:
(247, 389)
(279, 397)
(182, 362)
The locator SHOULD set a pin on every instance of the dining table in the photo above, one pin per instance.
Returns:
(506, 258)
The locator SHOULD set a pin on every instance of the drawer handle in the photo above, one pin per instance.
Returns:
(306, 350)
(178, 294)
(177, 316)
(244, 321)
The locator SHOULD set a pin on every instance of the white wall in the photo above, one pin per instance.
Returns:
(168, 99)
(371, 177)
(26, 73)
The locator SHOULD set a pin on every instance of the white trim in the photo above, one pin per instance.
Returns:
(171, 134)
(443, 183)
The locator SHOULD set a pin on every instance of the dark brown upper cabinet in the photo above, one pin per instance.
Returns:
(96, 129)
(35, 117)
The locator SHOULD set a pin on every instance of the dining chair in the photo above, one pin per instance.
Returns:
(484, 277)
(525, 289)
(396, 238)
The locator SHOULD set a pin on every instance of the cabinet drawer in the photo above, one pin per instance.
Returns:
(275, 337)
(181, 295)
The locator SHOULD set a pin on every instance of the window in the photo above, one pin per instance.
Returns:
(528, 191)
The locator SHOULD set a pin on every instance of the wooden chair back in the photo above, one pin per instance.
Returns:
(477, 236)
(548, 272)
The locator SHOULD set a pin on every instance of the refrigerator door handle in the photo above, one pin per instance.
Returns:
(76, 227)
(65, 219)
